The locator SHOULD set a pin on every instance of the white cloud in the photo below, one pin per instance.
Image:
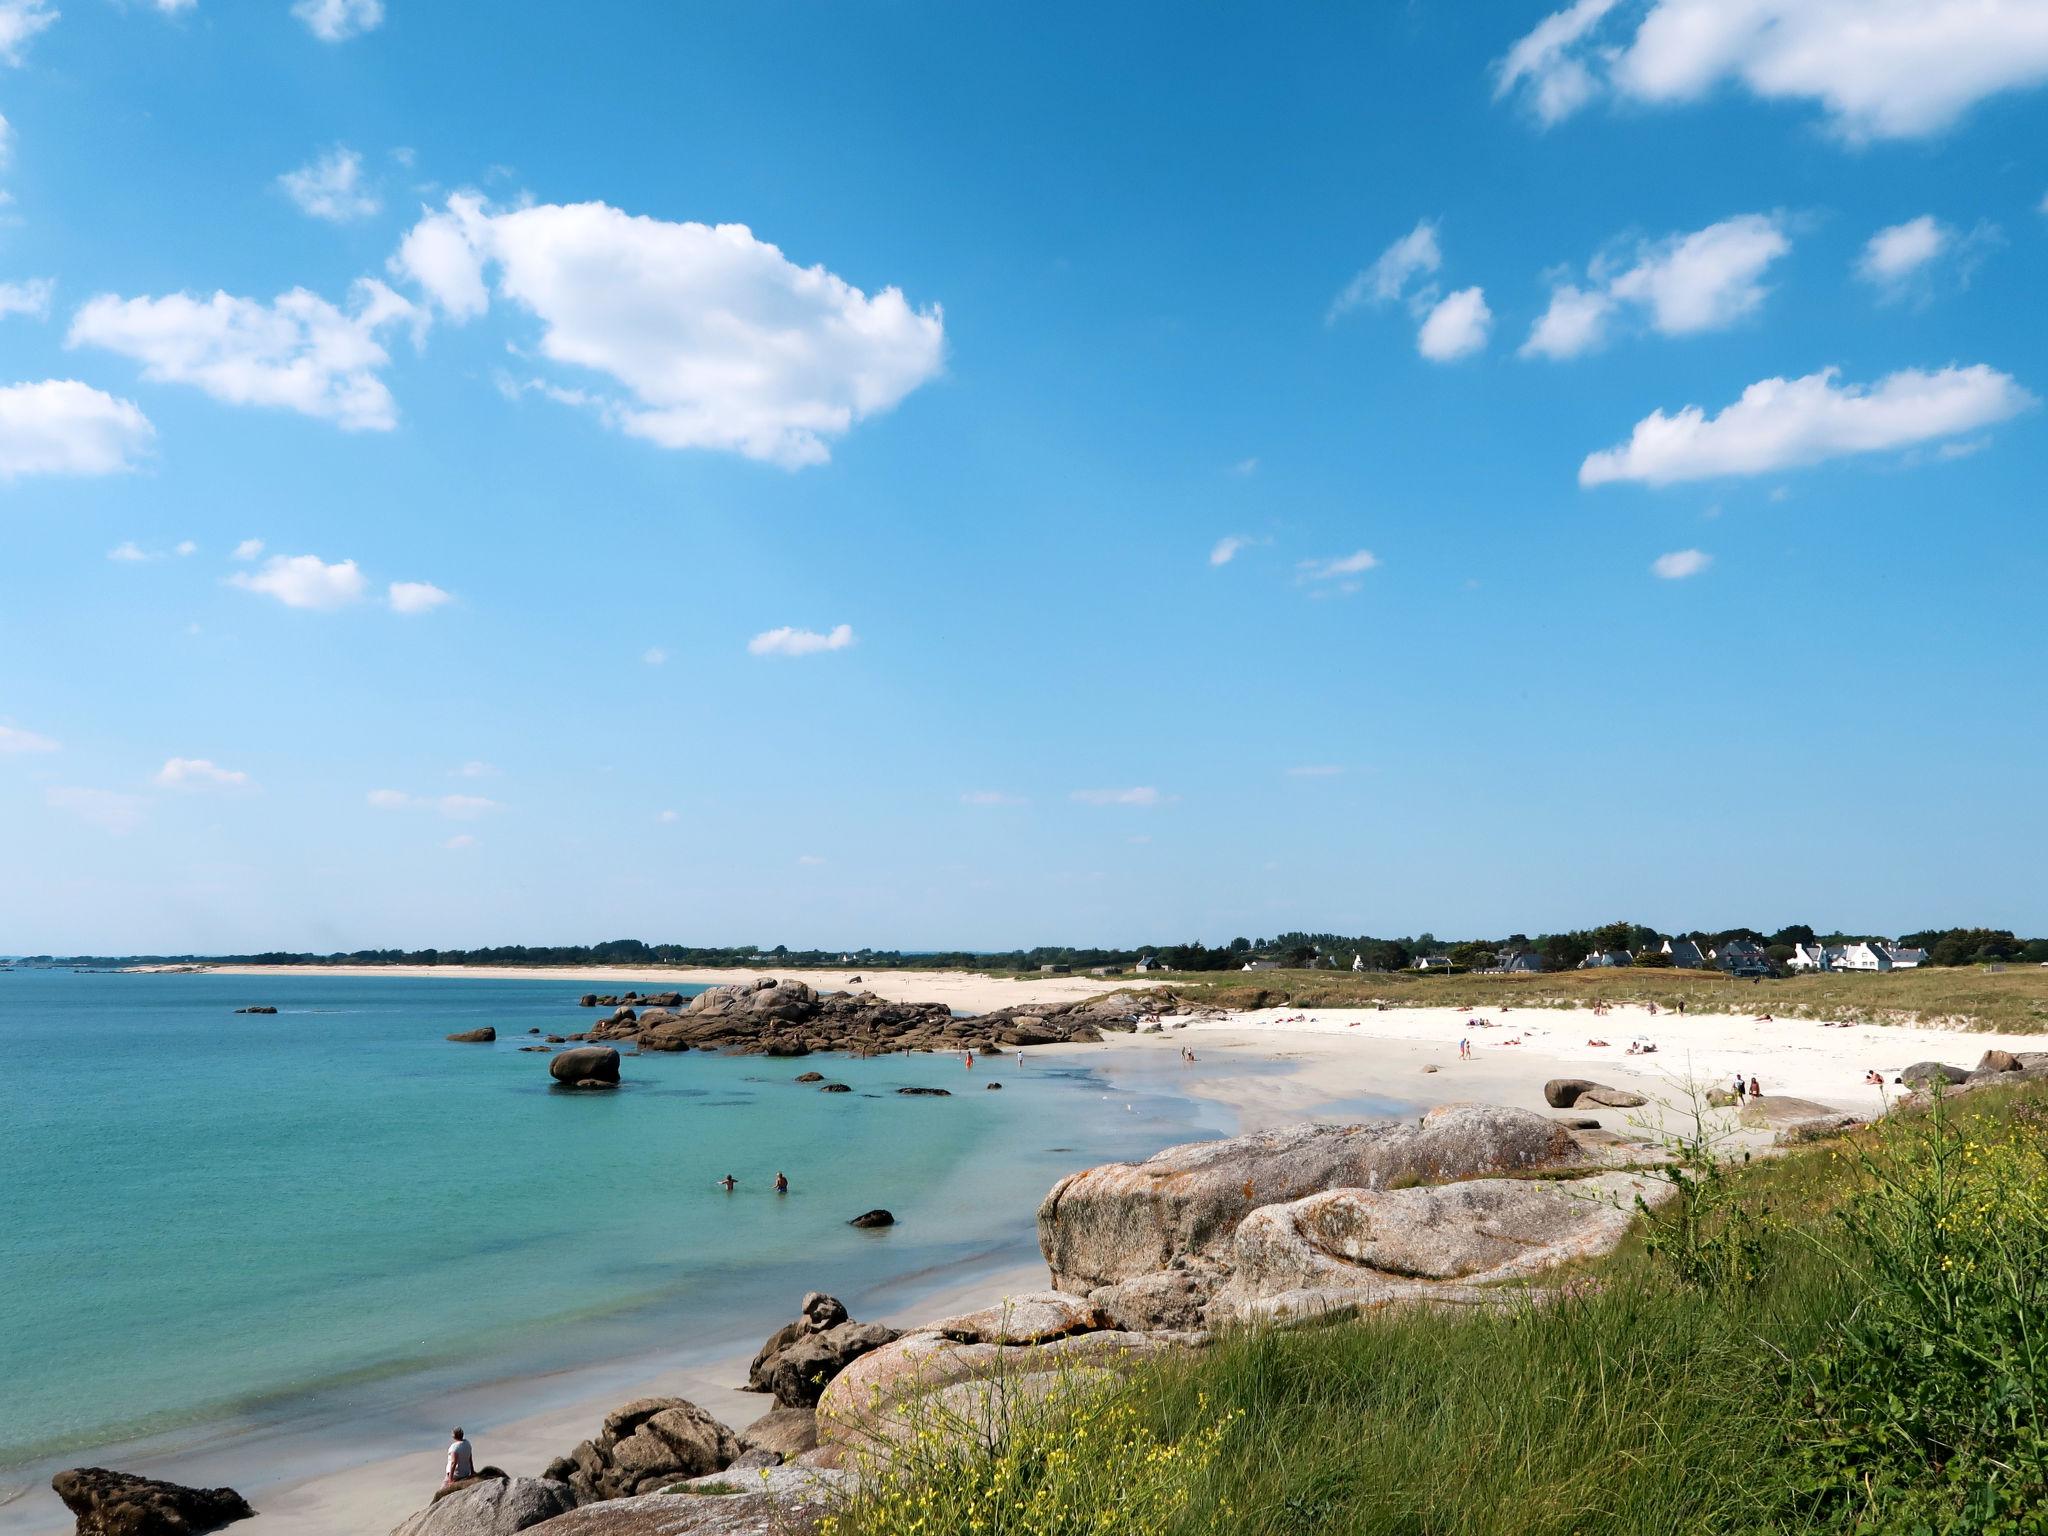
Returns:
(331, 187)
(476, 769)
(63, 427)
(453, 807)
(103, 808)
(415, 597)
(128, 552)
(190, 773)
(185, 548)
(1681, 563)
(809, 858)
(460, 841)
(14, 742)
(20, 21)
(1680, 285)
(1315, 771)
(1558, 82)
(1879, 68)
(668, 818)
(799, 642)
(1355, 564)
(1783, 424)
(718, 339)
(654, 656)
(298, 352)
(990, 797)
(1245, 467)
(1143, 795)
(1456, 327)
(1415, 254)
(173, 7)
(336, 21)
(1226, 548)
(27, 298)
(304, 581)
(1895, 253)
(248, 549)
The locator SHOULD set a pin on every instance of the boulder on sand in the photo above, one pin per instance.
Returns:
(496, 1506)
(1563, 1092)
(1922, 1075)
(1613, 1098)
(586, 1065)
(482, 1036)
(1122, 1220)
(643, 1447)
(111, 1503)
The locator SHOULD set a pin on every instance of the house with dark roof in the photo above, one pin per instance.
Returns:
(1743, 957)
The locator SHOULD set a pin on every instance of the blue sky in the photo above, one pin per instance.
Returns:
(1622, 424)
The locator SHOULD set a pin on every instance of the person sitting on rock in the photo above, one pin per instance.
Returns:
(461, 1463)
(1755, 1089)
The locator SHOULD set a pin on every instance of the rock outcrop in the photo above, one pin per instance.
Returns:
(787, 1432)
(1359, 1249)
(1124, 1220)
(108, 1503)
(1923, 1074)
(496, 1506)
(801, 1357)
(1564, 1092)
(259, 1008)
(773, 1501)
(643, 1447)
(585, 1066)
(475, 1036)
(868, 1220)
(966, 1371)
(787, 1017)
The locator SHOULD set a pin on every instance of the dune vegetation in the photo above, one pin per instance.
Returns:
(1849, 1338)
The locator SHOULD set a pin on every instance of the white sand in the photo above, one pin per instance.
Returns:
(968, 991)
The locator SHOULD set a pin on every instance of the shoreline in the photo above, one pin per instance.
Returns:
(974, 991)
(1260, 1068)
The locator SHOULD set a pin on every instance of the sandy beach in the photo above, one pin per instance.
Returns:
(965, 991)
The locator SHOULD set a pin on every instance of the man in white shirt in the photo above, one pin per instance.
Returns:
(461, 1464)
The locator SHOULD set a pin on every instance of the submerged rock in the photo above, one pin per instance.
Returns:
(109, 1503)
(259, 1008)
(874, 1218)
(481, 1036)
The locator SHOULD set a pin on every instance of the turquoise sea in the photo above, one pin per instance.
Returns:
(211, 1221)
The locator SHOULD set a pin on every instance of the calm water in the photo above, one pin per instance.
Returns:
(209, 1218)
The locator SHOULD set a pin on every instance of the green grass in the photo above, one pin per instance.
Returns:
(1877, 1373)
(1968, 997)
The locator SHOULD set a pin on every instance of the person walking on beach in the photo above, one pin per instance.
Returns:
(461, 1463)
(781, 1182)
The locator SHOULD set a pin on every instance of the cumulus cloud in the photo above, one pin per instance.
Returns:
(1878, 68)
(475, 768)
(668, 818)
(1678, 286)
(128, 552)
(31, 297)
(453, 807)
(304, 581)
(1681, 563)
(800, 642)
(63, 427)
(190, 773)
(298, 352)
(717, 339)
(248, 549)
(1907, 260)
(415, 597)
(14, 741)
(654, 656)
(1227, 548)
(1415, 254)
(336, 21)
(185, 547)
(460, 841)
(20, 21)
(331, 187)
(990, 797)
(106, 809)
(1456, 327)
(1143, 795)
(1784, 424)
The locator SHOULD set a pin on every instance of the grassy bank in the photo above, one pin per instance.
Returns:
(1969, 997)
(1861, 1352)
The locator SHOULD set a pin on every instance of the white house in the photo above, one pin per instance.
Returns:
(1146, 963)
(1605, 959)
(1874, 956)
(1432, 962)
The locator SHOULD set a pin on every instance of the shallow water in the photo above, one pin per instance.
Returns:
(211, 1221)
